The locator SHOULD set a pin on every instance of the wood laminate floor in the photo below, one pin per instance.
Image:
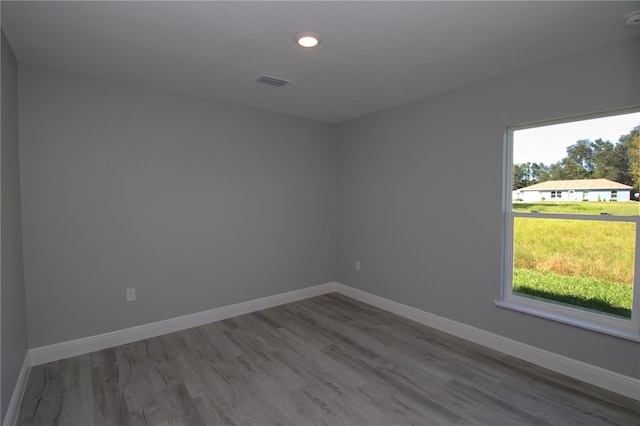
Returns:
(326, 360)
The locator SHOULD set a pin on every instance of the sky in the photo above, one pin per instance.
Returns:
(548, 144)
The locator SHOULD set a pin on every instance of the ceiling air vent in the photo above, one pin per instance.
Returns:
(273, 81)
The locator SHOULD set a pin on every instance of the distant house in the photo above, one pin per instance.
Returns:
(575, 190)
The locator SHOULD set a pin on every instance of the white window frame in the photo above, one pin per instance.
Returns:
(624, 328)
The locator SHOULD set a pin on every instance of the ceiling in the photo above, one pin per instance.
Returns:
(373, 55)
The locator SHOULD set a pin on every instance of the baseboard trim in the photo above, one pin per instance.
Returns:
(11, 417)
(85, 345)
(606, 379)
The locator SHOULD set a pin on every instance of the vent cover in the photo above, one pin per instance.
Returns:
(273, 81)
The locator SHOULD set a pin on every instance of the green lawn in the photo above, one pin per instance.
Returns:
(586, 264)
(586, 293)
(596, 208)
(600, 250)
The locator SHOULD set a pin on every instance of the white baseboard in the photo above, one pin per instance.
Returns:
(13, 409)
(588, 373)
(606, 379)
(85, 345)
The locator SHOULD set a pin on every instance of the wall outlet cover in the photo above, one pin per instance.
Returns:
(131, 294)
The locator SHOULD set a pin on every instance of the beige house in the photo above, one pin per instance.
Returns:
(575, 190)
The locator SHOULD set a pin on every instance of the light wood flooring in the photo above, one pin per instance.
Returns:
(326, 360)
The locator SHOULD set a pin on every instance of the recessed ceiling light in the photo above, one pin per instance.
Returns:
(632, 19)
(308, 39)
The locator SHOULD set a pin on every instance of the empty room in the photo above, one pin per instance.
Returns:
(320, 212)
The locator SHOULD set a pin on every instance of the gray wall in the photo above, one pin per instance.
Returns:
(419, 197)
(200, 205)
(195, 204)
(12, 294)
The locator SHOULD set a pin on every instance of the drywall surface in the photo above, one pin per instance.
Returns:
(14, 319)
(194, 204)
(420, 197)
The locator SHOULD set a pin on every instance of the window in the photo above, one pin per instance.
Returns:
(567, 260)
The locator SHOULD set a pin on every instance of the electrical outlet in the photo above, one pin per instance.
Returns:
(358, 265)
(131, 294)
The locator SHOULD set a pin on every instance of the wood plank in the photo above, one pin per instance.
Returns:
(325, 360)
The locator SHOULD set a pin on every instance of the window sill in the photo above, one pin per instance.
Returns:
(567, 319)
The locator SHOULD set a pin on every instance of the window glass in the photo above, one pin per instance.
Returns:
(572, 226)
(580, 263)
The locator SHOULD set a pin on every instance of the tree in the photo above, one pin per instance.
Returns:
(604, 159)
(539, 172)
(619, 162)
(556, 172)
(527, 174)
(578, 164)
(628, 158)
(520, 176)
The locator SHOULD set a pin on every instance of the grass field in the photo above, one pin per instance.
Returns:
(577, 207)
(588, 293)
(582, 263)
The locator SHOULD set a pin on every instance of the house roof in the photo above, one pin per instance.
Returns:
(576, 184)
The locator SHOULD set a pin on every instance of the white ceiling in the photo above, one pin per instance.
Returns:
(373, 55)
